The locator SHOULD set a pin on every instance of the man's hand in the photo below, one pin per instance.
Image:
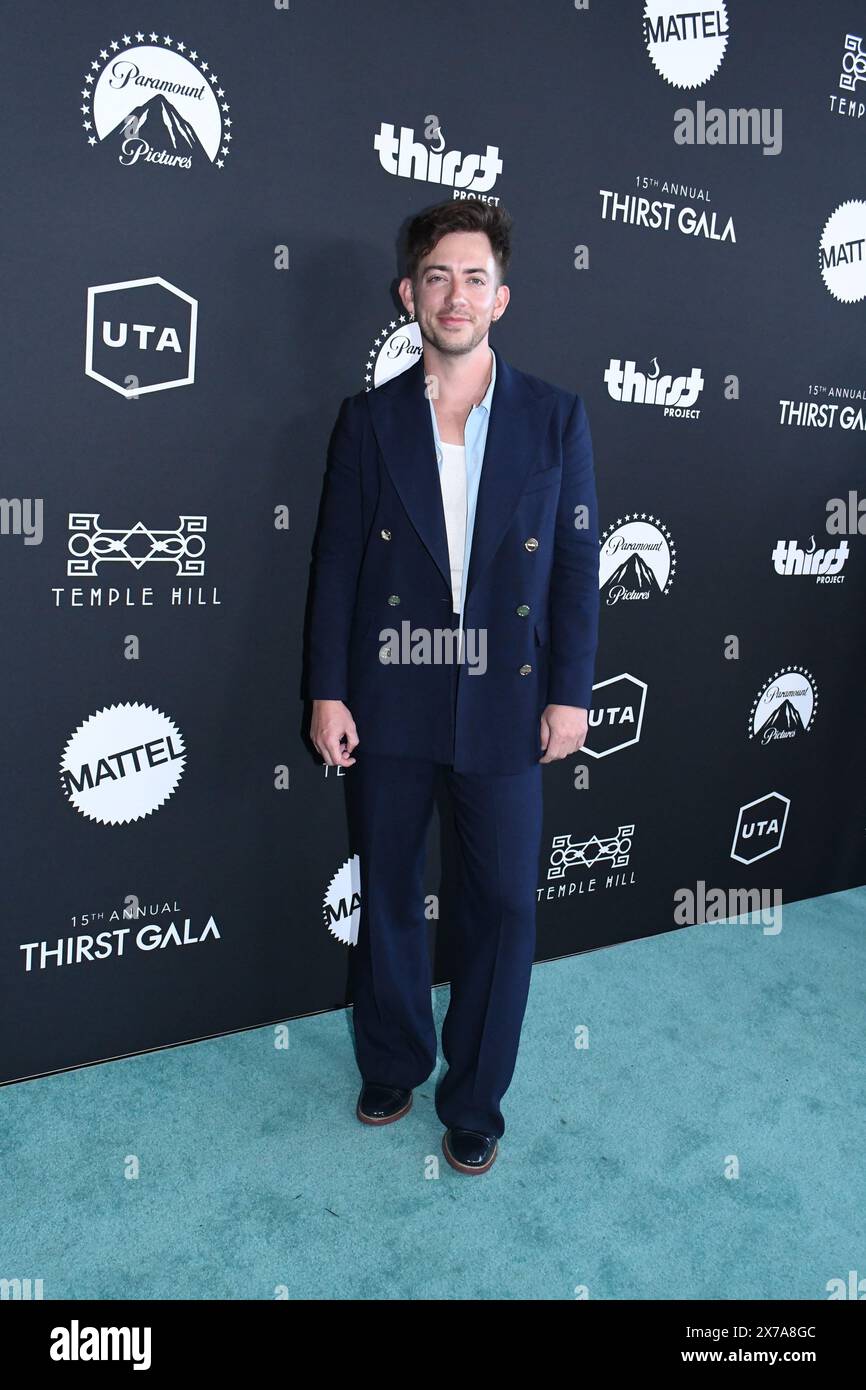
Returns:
(331, 722)
(563, 731)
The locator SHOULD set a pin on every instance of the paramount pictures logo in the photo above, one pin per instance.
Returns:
(155, 101)
(784, 707)
(396, 348)
(637, 559)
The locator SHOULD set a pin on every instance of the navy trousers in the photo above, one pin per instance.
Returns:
(498, 822)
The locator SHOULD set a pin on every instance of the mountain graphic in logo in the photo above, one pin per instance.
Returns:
(785, 716)
(637, 558)
(791, 696)
(185, 119)
(633, 576)
(158, 122)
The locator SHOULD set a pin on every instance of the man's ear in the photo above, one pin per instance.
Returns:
(407, 295)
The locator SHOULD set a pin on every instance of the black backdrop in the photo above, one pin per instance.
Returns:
(156, 537)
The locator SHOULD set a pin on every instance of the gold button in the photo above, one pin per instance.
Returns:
(393, 599)
(523, 610)
(386, 535)
(531, 543)
(525, 670)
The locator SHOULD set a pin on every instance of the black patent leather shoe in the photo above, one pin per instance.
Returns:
(469, 1151)
(381, 1105)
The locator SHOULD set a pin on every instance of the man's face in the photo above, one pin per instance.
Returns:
(456, 295)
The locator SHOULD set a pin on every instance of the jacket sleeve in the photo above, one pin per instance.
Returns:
(337, 552)
(574, 593)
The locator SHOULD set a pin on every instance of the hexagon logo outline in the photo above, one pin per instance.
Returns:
(635, 738)
(786, 801)
(128, 392)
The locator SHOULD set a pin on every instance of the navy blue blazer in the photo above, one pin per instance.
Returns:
(380, 559)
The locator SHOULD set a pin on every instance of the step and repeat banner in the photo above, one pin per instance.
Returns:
(203, 214)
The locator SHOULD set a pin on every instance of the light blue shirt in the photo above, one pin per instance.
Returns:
(474, 440)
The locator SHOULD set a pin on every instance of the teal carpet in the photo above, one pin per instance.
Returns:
(708, 1046)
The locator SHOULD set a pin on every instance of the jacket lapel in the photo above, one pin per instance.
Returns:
(404, 430)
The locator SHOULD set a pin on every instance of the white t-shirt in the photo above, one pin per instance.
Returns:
(452, 478)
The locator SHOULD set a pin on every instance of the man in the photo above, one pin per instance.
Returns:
(468, 483)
